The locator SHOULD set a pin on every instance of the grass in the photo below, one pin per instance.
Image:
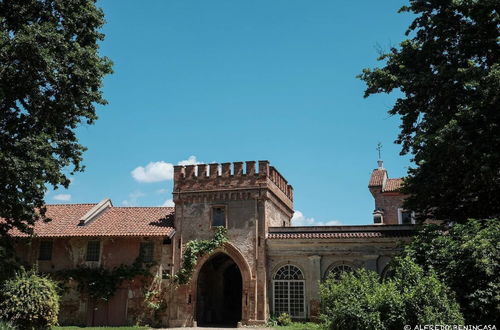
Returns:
(99, 328)
(300, 326)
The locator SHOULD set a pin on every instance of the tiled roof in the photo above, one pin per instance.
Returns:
(112, 221)
(341, 232)
(393, 184)
(338, 235)
(377, 177)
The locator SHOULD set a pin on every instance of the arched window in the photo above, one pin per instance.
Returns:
(387, 273)
(337, 270)
(289, 292)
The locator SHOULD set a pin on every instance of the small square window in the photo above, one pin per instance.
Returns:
(45, 250)
(146, 251)
(218, 216)
(406, 217)
(93, 251)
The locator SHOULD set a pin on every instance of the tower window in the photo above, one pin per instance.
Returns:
(93, 251)
(406, 217)
(45, 250)
(218, 216)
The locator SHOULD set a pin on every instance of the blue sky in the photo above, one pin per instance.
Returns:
(243, 80)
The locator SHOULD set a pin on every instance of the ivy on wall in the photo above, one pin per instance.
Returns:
(196, 249)
(100, 283)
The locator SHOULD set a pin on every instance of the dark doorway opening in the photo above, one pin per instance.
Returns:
(219, 292)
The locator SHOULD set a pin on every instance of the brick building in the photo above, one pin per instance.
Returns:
(267, 267)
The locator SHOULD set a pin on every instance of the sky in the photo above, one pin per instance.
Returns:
(224, 81)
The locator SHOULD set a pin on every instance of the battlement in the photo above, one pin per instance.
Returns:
(227, 176)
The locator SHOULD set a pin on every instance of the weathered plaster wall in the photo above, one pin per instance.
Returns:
(69, 253)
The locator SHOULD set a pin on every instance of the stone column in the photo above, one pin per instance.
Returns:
(313, 291)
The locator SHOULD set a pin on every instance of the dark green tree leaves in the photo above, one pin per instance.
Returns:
(467, 258)
(449, 76)
(50, 82)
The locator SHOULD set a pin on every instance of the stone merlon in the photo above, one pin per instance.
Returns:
(230, 176)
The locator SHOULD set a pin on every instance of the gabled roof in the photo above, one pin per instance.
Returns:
(110, 221)
(380, 178)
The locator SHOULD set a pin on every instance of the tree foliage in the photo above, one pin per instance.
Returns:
(50, 80)
(467, 258)
(29, 301)
(360, 300)
(448, 74)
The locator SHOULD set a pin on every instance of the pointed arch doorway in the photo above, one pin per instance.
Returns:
(219, 292)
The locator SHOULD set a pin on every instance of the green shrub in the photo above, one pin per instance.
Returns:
(5, 325)
(359, 300)
(283, 319)
(29, 301)
(427, 300)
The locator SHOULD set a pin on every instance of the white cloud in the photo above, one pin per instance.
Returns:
(161, 191)
(168, 203)
(190, 161)
(133, 198)
(159, 171)
(154, 172)
(62, 197)
(299, 219)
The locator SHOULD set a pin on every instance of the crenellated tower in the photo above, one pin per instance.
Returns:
(246, 199)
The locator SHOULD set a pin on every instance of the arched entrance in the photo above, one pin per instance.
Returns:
(219, 292)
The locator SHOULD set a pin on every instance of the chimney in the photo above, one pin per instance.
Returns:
(380, 163)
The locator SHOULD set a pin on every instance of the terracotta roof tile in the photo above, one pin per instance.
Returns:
(377, 177)
(339, 235)
(113, 221)
(393, 184)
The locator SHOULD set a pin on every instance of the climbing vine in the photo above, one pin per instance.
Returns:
(101, 283)
(196, 249)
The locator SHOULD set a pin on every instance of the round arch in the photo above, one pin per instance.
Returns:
(246, 276)
(341, 265)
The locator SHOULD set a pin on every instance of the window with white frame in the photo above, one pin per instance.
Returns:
(289, 292)
(406, 217)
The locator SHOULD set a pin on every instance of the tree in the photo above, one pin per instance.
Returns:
(360, 300)
(467, 258)
(448, 74)
(50, 80)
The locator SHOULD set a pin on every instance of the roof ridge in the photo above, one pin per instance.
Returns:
(66, 204)
(142, 207)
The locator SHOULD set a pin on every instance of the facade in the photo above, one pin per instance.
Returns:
(267, 267)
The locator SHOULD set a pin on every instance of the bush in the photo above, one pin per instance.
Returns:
(29, 301)
(283, 319)
(360, 300)
(427, 300)
(4, 325)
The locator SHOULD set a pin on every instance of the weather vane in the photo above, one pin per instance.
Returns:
(379, 149)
